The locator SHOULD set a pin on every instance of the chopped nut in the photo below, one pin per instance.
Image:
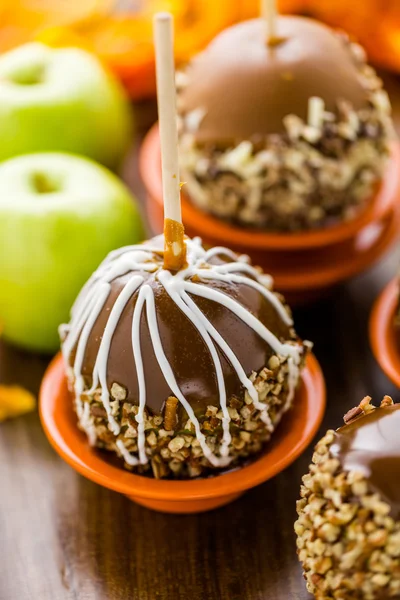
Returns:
(352, 414)
(152, 438)
(98, 411)
(176, 444)
(163, 433)
(245, 412)
(273, 362)
(114, 405)
(118, 392)
(170, 413)
(207, 426)
(235, 403)
(233, 413)
(387, 401)
(380, 579)
(159, 468)
(131, 432)
(211, 411)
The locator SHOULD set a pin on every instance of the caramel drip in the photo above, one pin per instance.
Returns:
(174, 246)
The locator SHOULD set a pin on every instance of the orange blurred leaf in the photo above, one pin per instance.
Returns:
(15, 401)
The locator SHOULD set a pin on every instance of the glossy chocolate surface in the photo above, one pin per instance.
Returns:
(371, 444)
(246, 87)
(186, 351)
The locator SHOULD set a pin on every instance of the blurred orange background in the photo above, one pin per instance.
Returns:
(120, 32)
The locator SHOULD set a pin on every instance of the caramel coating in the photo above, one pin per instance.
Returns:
(184, 346)
(247, 87)
(175, 247)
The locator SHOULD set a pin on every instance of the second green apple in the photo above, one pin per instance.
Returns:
(60, 215)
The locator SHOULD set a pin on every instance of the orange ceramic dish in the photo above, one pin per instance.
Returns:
(293, 435)
(338, 263)
(384, 342)
(214, 230)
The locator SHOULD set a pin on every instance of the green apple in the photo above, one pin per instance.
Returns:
(61, 100)
(60, 215)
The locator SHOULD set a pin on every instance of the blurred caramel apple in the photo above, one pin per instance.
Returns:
(288, 137)
(348, 530)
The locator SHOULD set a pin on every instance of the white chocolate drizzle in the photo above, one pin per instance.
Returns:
(137, 263)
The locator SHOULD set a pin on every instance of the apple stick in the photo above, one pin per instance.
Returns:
(174, 245)
(269, 13)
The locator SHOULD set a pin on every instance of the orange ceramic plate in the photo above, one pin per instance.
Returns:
(217, 230)
(293, 435)
(338, 263)
(382, 332)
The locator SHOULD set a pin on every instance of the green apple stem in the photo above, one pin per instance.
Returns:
(43, 184)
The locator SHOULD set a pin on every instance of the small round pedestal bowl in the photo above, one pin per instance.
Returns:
(383, 336)
(293, 435)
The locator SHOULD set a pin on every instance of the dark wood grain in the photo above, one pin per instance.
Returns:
(64, 538)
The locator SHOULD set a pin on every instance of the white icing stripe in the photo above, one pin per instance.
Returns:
(293, 378)
(245, 316)
(126, 455)
(100, 367)
(220, 250)
(171, 381)
(127, 263)
(140, 260)
(137, 354)
(88, 424)
(82, 297)
(83, 339)
(77, 323)
(234, 278)
(236, 267)
(244, 380)
(115, 254)
(242, 267)
(173, 289)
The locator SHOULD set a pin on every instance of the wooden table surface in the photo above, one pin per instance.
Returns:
(65, 538)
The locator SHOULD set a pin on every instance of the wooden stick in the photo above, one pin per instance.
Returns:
(269, 13)
(175, 248)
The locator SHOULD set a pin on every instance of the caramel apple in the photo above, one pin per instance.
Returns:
(180, 373)
(349, 515)
(285, 136)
